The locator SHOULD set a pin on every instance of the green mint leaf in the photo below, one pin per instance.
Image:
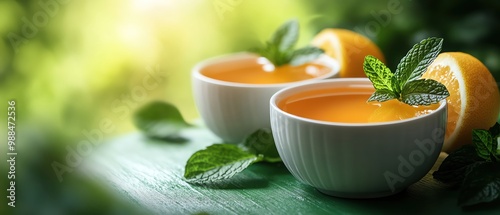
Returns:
(378, 73)
(415, 63)
(481, 185)
(304, 55)
(395, 86)
(286, 36)
(159, 120)
(223, 161)
(217, 162)
(486, 146)
(487, 142)
(382, 96)
(274, 55)
(455, 166)
(405, 84)
(279, 50)
(423, 92)
(261, 143)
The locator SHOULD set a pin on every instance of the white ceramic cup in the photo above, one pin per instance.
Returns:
(234, 110)
(364, 160)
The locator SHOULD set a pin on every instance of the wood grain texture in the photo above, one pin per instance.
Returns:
(149, 172)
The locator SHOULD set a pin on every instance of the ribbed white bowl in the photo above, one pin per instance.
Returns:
(234, 110)
(356, 160)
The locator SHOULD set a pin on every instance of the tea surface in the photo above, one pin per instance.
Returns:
(258, 71)
(349, 105)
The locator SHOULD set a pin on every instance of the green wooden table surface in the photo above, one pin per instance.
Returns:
(149, 172)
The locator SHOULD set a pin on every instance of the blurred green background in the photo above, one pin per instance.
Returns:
(72, 65)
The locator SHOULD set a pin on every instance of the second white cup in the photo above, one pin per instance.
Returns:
(234, 110)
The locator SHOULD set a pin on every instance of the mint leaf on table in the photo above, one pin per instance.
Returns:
(454, 167)
(485, 146)
(279, 50)
(223, 161)
(217, 162)
(481, 185)
(262, 143)
(475, 167)
(406, 84)
(159, 120)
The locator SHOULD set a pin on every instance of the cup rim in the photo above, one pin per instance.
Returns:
(363, 81)
(323, 60)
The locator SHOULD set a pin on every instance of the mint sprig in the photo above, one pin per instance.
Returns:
(279, 49)
(476, 168)
(406, 84)
(223, 161)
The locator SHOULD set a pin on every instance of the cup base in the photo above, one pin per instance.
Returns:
(370, 195)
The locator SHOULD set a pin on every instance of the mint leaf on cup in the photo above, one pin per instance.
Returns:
(159, 120)
(413, 65)
(423, 92)
(381, 77)
(285, 37)
(223, 161)
(279, 50)
(406, 84)
(304, 55)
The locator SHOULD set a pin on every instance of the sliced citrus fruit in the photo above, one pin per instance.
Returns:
(474, 100)
(348, 48)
